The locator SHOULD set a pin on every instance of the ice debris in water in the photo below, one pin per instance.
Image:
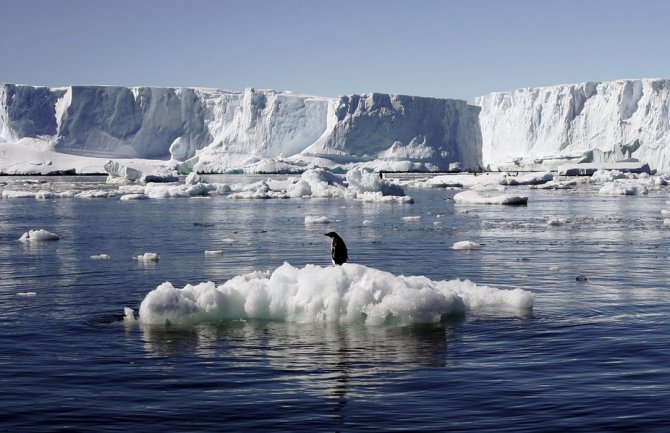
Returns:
(313, 219)
(527, 179)
(613, 188)
(347, 293)
(147, 257)
(100, 257)
(557, 221)
(26, 294)
(412, 218)
(474, 197)
(465, 245)
(213, 253)
(128, 314)
(38, 235)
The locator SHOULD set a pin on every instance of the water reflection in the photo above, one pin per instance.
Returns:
(326, 359)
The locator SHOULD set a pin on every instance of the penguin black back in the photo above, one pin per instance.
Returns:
(338, 250)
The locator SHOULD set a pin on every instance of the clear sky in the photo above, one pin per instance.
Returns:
(440, 48)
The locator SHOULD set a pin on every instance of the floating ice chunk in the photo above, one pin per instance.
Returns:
(557, 221)
(378, 197)
(613, 188)
(122, 173)
(473, 197)
(465, 245)
(367, 222)
(7, 194)
(26, 294)
(228, 241)
(300, 188)
(666, 222)
(95, 193)
(313, 219)
(556, 184)
(147, 257)
(603, 176)
(348, 293)
(128, 314)
(412, 218)
(361, 181)
(211, 253)
(129, 197)
(665, 213)
(40, 235)
(100, 257)
(527, 179)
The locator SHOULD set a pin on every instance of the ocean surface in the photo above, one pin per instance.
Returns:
(591, 356)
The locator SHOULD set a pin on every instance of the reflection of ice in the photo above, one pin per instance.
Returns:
(330, 361)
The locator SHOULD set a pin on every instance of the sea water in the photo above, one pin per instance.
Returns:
(592, 355)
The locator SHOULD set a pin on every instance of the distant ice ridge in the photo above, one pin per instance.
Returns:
(542, 128)
(350, 293)
(214, 130)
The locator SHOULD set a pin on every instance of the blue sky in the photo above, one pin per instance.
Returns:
(448, 48)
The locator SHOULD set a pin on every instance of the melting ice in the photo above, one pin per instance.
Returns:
(350, 294)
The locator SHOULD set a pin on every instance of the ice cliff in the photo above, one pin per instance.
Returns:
(213, 130)
(589, 122)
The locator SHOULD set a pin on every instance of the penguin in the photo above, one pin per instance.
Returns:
(338, 250)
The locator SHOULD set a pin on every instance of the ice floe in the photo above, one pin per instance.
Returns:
(474, 197)
(39, 235)
(313, 219)
(348, 293)
(147, 257)
(465, 245)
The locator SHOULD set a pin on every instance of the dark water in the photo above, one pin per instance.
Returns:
(593, 356)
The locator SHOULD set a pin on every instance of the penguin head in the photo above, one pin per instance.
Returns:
(331, 235)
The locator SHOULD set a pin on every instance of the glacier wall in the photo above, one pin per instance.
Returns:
(216, 129)
(588, 122)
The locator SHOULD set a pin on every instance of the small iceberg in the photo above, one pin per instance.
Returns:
(147, 257)
(313, 219)
(474, 197)
(40, 235)
(465, 245)
(212, 253)
(350, 293)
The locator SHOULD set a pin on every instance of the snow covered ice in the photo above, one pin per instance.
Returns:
(546, 127)
(349, 293)
(217, 131)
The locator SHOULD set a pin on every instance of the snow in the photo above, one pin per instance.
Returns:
(595, 122)
(350, 293)
(39, 235)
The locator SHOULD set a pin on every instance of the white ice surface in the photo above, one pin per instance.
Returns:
(39, 235)
(474, 197)
(348, 293)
